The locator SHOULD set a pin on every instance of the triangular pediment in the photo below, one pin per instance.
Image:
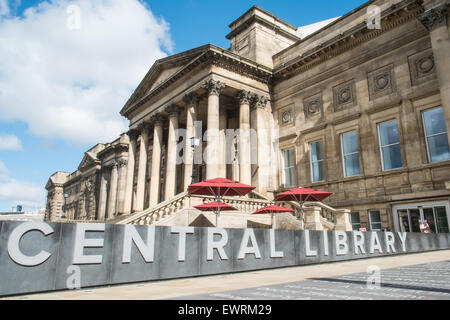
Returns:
(162, 70)
(89, 159)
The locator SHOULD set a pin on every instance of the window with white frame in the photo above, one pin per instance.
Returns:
(391, 157)
(316, 157)
(289, 167)
(355, 221)
(436, 134)
(375, 220)
(350, 154)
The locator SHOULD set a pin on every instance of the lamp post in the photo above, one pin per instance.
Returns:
(195, 142)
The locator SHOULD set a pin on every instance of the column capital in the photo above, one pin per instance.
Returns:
(133, 134)
(259, 101)
(157, 119)
(191, 98)
(435, 16)
(122, 162)
(114, 164)
(244, 97)
(213, 87)
(144, 127)
(173, 110)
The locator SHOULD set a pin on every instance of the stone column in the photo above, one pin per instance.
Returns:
(102, 196)
(435, 20)
(191, 101)
(260, 144)
(156, 160)
(212, 158)
(144, 128)
(121, 186)
(112, 198)
(223, 144)
(245, 174)
(171, 168)
(132, 134)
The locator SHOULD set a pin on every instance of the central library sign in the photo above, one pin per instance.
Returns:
(40, 256)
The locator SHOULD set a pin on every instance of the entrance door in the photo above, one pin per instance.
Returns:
(408, 218)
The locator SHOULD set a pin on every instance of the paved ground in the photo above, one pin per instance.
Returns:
(412, 276)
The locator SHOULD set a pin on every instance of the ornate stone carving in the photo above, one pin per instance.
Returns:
(213, 87)
(435, 16)
(173, 110)
(313, 106)
(144, 126)
(156, 118)
(133, 134)
(191, 98)
(259, 101)
(381, 82)
(422, 67)
(244, 97)
(286, 116)
(344, 95)
(122, 162)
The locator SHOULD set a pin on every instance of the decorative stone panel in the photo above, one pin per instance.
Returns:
(344, 95)
(313, 106)
(422, 67)
(286, 116)
(381, 82)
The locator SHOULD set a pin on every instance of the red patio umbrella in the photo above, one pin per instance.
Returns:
(272, 209)
(301, 195)
(214, 206)
(218, 188)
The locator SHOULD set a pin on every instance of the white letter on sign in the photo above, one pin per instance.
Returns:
(216, 245)
(309, 252)
(375, 243)
(273, 252)
(146, 249)
(81, 242)
(243, 250)
(358, 243)
(340, 239)
(182, 240)
(13, 244)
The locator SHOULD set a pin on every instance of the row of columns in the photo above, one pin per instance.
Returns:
(215, 154)
(111, 202)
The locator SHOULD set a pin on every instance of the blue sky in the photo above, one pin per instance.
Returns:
(32, 147)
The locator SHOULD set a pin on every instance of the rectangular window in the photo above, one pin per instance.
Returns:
(391, 157)
(436, 135)
(289, 167)
(350, 155)
(316, 155)
(375, 220)
(354, 220)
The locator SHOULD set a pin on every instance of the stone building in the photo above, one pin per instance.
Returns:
(358, 106)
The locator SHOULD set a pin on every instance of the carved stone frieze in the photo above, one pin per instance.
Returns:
(381, 82)
(313, 106)
(344, 95)
(422, 67)
(286, 116)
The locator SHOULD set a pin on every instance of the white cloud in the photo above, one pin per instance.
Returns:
(4, 9)
(20, 192)
(9, 142)
(71, 83)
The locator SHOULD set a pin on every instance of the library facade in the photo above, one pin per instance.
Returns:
(358, 106)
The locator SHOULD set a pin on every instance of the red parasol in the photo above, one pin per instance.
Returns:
(301, 195)
(218, 188)
(272, 209)
(215, 206)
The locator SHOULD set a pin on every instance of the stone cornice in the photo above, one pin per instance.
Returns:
(391, 18)
(211, 55)
(435, 16)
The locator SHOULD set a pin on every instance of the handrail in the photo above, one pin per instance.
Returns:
(153, 209)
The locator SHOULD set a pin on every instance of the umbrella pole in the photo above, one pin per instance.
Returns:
(218, 211)
(271, 218)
